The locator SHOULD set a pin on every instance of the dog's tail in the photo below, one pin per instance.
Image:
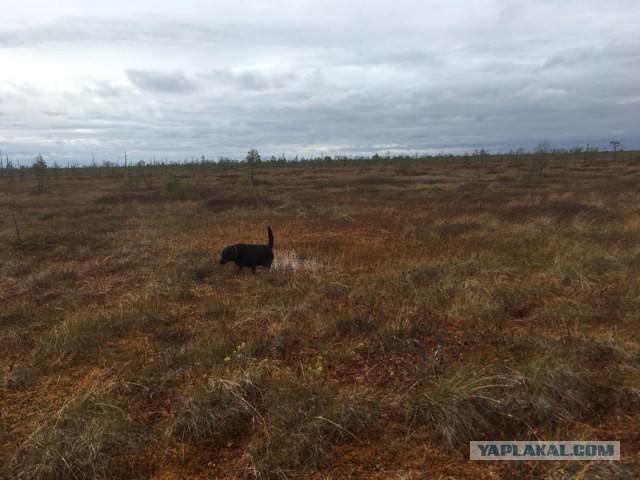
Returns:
(270, 237)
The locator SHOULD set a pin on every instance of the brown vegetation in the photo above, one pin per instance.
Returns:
(412, 307)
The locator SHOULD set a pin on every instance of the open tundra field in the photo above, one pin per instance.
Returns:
(412, 306)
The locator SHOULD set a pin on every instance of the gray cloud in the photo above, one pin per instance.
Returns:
(161, 81)
(247, 80)
(570, 58)
(96, 31)
(207, 78)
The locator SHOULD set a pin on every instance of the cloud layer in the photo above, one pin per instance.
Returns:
(172, 81)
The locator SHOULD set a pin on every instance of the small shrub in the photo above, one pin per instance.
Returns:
(172, 185)
(245, 188)
(39, 168)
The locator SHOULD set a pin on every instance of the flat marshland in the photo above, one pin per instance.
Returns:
(412, 307)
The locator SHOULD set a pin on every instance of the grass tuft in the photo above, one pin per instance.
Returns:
(219, 410)
(80, 440)
(459, 407)
(304, 418)
(551, 391)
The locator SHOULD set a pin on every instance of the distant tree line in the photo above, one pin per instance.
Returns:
(41, 170)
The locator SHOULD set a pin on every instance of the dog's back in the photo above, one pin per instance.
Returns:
(249, 255)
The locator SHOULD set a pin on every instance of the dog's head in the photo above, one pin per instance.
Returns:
(229, 254)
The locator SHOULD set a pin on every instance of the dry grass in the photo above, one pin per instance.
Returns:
(82, 439)
(412, 307)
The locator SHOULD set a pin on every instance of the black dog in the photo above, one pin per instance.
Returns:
(247, 255)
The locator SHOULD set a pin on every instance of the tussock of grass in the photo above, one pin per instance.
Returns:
(304, 418)
(281, 339)
(607, 350)
(219, 410)
(80, 336)
(551, 391)
(227, 403)
(460, 407)
(52, 276)
(80, 440)
(207, 351)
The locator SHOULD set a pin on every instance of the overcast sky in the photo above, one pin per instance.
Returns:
(180, 79)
